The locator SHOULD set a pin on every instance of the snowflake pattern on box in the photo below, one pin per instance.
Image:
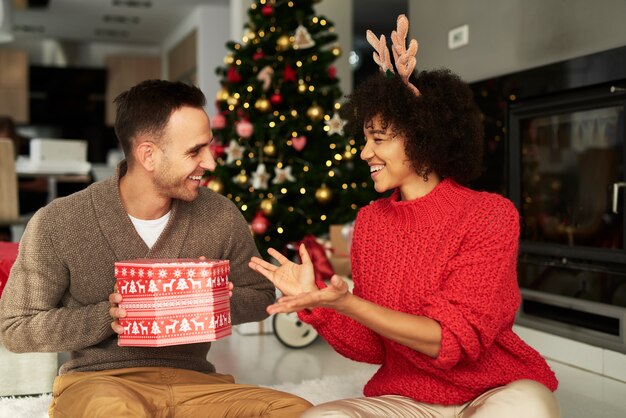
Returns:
(174, 301)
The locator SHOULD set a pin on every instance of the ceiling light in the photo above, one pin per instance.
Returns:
(6, 35)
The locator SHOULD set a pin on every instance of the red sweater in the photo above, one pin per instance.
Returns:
(450, 256)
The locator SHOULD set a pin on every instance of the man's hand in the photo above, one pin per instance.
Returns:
(116, 312)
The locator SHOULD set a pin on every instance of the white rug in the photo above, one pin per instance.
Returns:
(315, 391)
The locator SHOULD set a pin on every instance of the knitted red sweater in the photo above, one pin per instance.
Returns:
(450, 256)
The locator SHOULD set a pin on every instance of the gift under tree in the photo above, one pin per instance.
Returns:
(279, 139)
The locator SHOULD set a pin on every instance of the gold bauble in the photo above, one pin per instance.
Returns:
(323, 194)
(283, 43)
(241, 178)
(232, 100)
(267, 206)
(251, 35)
(269, 149)
(229, 59)
(336, 51)
(315, 113)
(216, 185)
(222, 95)
(302, 88)
(263, 105)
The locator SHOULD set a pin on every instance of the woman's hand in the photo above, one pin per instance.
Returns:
(290, 278)
(335, 296)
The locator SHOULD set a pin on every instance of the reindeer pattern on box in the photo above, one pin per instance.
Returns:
(177, 301)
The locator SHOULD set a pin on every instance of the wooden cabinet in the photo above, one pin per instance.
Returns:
(123, 73)
(14, 85)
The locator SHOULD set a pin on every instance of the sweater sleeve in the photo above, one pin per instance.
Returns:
(32, 318)
(252, 293)
(480, 294)
(347, 336)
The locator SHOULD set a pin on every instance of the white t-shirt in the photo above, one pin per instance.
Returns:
(150, 230)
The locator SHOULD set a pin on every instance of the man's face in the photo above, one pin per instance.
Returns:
(184, 155)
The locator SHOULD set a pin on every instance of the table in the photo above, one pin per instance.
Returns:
(8, 254)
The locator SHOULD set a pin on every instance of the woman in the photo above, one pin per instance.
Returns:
(434, 266)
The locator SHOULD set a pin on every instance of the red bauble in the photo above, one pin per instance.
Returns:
(276, 99)
(232, 75)
(217, 149)
(244, 129)
(218, 121)
(332, 72)
(258, 55)
(267, 10)
(259, 224)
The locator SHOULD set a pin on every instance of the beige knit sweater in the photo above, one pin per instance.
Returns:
(56, 298)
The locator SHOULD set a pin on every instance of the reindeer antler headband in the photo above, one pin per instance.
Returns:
(404, 58)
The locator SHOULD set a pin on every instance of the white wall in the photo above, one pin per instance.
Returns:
(213, 30)
(510, 35)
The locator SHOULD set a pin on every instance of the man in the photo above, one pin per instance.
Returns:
(153, 207)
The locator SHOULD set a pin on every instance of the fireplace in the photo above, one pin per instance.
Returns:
(560, 131)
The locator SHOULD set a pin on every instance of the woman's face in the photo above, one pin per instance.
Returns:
(388, 162)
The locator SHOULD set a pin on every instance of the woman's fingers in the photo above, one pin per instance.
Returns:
(304, 255)
(278, 256)
(265, 264)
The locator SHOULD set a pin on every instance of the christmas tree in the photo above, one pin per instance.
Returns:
(283, 157)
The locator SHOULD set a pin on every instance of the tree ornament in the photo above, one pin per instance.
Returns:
(315, 113)
(241, 178)
(234, 152)
(302, 88)
(347, 154)
(244, 128)
(222, 95)
(229, 59)
(283, 43)
(267, 10)
(216, 185)
(232, 75)
(332, 72)
(335, 124)
(267, 206)
(263, 105)
(335, 50)
(276, 98)
(299, 142)
(269, 149)
(259, 224)
(265, 77)
(282, 175)
(260, 178)
(323, 194)
(258, 55)
(232, 100)
(217, 149)
(218, 121)
(302, 38)
(289, 74)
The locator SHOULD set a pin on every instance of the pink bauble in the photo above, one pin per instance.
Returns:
(245, 129)
(259, 224)
(218, 121)
(299, 143)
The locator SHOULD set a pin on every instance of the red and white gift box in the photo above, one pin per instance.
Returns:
(173, 301)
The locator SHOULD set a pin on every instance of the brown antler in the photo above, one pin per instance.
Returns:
(381, 53)
(404, 58)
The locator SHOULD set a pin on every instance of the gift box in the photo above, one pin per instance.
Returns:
(340, 237)
(173, 301)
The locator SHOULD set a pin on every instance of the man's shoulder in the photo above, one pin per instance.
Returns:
(208, 200)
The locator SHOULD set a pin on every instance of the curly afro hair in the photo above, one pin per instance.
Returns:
(442, 128)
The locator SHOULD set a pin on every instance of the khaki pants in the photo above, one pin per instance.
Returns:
(161, 392)
(520, 399)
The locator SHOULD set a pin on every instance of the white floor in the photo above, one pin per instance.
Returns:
(262, 360)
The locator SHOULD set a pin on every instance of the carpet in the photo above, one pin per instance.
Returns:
(314, 390)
